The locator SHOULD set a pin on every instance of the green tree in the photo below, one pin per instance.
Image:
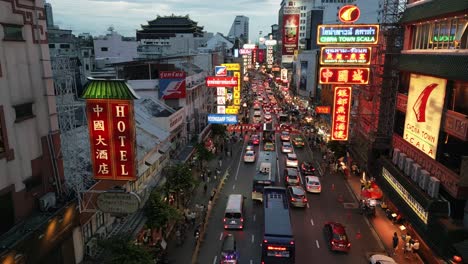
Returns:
(158, 212)
(203, 154)
(179, 182)
(122, 251)
(218, 130)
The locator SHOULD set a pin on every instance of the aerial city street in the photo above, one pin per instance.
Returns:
(248, 132)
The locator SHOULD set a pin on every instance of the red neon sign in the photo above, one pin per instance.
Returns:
(112, 138)
(349, 14)
(322, 109)
(341, 109)
(218, 81)
(345, 55)
(344, 75)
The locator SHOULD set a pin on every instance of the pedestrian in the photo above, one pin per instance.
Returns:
(220, 161)
(408, 249)
(395, 243)
(415, 246)
(213, 193)
(205, 188)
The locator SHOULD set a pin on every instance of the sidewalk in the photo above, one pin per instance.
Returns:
(182, 254)
(385, 228)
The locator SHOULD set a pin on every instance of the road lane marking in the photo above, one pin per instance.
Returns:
(351, 192)
(233, 186)
(376, 236)
(316, 242)
(254, 216)
(312, 221)
(221, 236)
(251, 261)
(308, 205)
(253, 238)
(242, 156)
(214, 260)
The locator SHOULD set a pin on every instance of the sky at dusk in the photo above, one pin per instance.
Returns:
(126, 16)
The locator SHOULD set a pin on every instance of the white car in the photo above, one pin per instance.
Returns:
(381, 259)
(249, 156)
(286, 147)
(291, 161)
(313, 184)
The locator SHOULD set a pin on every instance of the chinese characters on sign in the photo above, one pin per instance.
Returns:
(345, 55)
(341, 109)
(112, 138)
(344, 75)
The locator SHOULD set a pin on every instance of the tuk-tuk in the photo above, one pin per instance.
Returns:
(229, 254)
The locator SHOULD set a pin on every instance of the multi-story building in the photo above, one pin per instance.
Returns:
(114, 48)
(425, 176)
(38, 222)
(239, 29)
(169, 36)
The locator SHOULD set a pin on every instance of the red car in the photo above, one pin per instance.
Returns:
(255, 139)
(337, 239)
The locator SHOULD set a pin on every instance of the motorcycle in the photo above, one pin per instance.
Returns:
(367, 207)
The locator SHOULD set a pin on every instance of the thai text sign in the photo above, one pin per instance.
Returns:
(222, 119)
(118, 202)
(112, 138)
(424, 112)
(245, 51)
(322, 110)
(341, 109)
(216, 81)
(347, 34)
(344, 75)
(345, 55)
(172, 84)
(232, 66)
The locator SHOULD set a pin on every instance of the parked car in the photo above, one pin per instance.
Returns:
(292, 176)
(313, 184)
(337, 240)
(297, 196)
(286, 147)
(291, 160)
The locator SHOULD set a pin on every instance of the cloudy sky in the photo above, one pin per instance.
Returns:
(126, 16)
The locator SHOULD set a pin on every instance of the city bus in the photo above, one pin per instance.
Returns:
(278, 245)
(265, 174)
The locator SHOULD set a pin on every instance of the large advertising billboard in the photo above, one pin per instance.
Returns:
(290, 29)
(347, 34)
(171, 84)
(341, 109)
(424, 112)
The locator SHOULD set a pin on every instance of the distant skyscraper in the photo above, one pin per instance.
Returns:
(240, 28)
(49, 15)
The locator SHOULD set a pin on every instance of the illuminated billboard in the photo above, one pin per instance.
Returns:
(222, 119)
(349, 14)
(344, 75)
(232, 66)
(322, 110)
(345, 55)
(347, 34)
(171, 84)
(341, 109)
(424, 112)
(111, 127)
(290, 29)
(217, 81)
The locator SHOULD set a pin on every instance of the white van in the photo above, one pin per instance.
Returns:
(234, 213)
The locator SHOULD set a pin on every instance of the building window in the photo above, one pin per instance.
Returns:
(23, 112)
(51, 46)
(99, 219)
(12, 32)
(87, 232)
(104, 49)
(87, 67)
(441, 34)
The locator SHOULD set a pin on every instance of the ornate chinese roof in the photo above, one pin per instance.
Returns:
(108, 89)
(172, 24)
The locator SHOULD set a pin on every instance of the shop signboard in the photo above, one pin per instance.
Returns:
(347, 34)
(245, 51)
(221, 70)
(322, 110)
(118, 202)
(349, 14)
(284, 74)
(172, 85)
(237, 89)
(217, 81)
(222, 119)
(344, 75)
(424, 112)
(231, 66)
(345, 55)
(341, 110)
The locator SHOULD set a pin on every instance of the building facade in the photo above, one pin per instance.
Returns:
(114, 48)
(38, 220)
(240, 29)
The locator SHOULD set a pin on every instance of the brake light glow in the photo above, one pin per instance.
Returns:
(225, 226)
(349, 244)
(276, 248)
(293, 199)
(224, 220)
(292, 242)
(242, 219)
(305, 200)
(265, 241)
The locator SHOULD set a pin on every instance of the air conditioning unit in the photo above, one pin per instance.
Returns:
(101, 233)
(47, 201)
(402, 161)
(408, 166)
(396, 156)
(433, 187)
(415, 171)
(423, 179)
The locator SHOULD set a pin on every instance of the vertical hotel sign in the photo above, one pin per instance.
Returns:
(111, 124)
(341, 109)
(424, 112)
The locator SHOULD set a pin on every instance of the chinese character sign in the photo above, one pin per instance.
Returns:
(341, 109)
(344, 75)
(112, 138)
(345, 55)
